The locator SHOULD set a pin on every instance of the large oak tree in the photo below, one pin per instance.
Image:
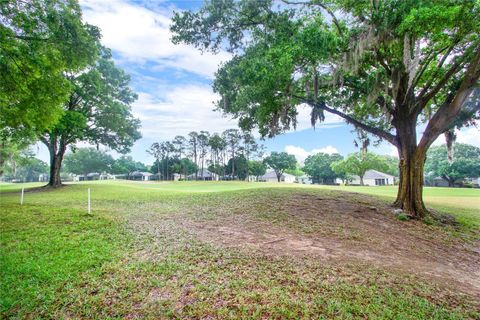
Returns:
(385, 66)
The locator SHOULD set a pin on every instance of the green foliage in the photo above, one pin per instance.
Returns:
(21, 164)
(99, 108)
(358, 163)
(318, 167)
(41, 42)
(239, 164)
(338, 54)
(466, 163)
(402, 217)
(126, 164)
(11, 152)
(256, 168)
(297, 172)
(280, 161)
(391, 165)
(182, 166)
(98, 111)
(88, 160)
(383, 66)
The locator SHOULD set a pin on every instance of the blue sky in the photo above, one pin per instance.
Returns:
(174, 83)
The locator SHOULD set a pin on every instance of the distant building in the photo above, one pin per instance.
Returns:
(203, 175)
(90, 176)
(140, 176)
(305, 179)
(440, 182)
(271, 176)
(374, 178)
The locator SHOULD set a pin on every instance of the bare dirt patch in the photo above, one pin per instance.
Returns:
(352, 228)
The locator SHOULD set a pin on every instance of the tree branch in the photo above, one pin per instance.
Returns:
(423, 94)
(376, 131)
(324, 7)
(449, 110)
(424, 99)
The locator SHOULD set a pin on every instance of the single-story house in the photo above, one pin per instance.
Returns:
(271, 176)
(374, 178)
(203, 175)
(305, 179)
(89, 176)
(440, 182)
(138, 175)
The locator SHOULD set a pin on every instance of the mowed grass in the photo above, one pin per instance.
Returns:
(463, 203)
(58, 262)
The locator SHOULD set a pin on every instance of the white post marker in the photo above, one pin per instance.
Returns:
(21, 198)
(88, 200)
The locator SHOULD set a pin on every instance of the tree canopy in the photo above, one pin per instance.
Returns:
(88, 160)
(359, 163)
(98, 111)
(383, 66)
(465, 163)
(318, 166)
(279, 162)
(40, 42)
(126, 164)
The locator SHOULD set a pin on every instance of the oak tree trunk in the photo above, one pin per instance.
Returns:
(56, 159)
(411, 168)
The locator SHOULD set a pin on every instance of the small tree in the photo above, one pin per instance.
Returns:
(318, 166)
(358, 164)
(256, 168)
(279, 162)
(465, 164)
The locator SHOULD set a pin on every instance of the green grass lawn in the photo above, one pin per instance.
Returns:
(128, 259)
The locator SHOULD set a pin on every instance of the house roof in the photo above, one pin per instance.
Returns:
(200, 174)
(272, 175)
(139, 173)
(374, 174)
(304, 177)
(93, 174)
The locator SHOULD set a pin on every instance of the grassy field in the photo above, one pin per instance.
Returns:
(169, 250)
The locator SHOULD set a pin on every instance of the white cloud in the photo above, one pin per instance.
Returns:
(180, 110)
(301, 154)
(139, 34)
(469, 135)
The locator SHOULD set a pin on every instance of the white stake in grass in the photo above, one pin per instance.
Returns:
(21, 197)
(88, 200)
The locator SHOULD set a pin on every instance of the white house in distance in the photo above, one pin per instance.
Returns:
(271, 176)
(374, 178)
(305, 179)
(142, 176)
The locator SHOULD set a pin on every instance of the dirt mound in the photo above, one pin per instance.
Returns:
(352, 228)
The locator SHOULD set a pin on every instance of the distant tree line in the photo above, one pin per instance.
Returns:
(232, 154)
(21, 165)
